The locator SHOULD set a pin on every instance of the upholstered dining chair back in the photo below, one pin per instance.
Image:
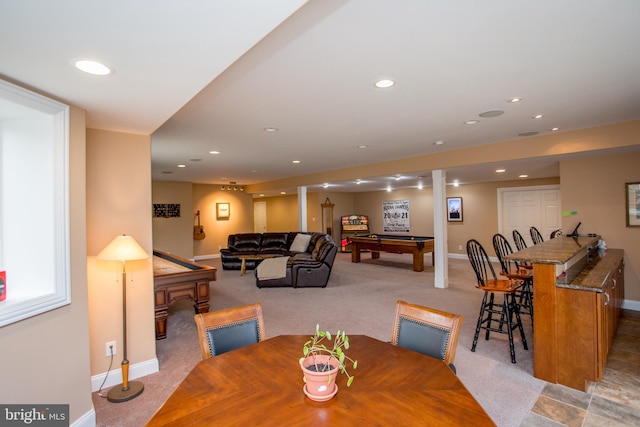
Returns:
(226, 330)
(427, 330)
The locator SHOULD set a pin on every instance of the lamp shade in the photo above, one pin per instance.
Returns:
(122, 248)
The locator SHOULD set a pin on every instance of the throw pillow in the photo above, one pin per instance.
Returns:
(300, 243)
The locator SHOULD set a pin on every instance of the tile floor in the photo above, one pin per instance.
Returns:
(615, 401)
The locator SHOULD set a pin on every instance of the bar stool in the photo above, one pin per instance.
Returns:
(513, 270)
(536, 236)
(490, 310)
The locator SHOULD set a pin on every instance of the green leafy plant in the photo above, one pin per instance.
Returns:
(316, 346)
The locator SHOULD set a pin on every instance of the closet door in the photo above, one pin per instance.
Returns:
(520, 208)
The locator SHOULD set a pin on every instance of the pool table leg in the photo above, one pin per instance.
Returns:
(355, 253)
(418, 261)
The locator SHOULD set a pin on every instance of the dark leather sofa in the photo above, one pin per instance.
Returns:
(310, 268)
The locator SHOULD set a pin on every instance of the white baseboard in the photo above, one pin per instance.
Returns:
(114, 377)
(87, 420)
(201, 257)
(629, 304)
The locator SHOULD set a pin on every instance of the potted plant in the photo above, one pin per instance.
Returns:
(321, 363)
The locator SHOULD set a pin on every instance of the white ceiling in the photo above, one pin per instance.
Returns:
(211, 75)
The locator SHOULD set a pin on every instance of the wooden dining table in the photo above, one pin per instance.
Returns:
(261, 384)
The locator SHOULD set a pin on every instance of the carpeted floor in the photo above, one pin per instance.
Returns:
(359, 299)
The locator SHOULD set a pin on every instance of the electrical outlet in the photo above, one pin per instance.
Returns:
(459, 247)
(109, 345)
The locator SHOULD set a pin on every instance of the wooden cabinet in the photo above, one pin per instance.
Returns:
(586, 323)
(577, 299)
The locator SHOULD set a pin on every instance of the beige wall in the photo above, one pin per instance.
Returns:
(45, 358)
(480, 212)
(594, 187)
(282, 212)
(479, 204)
(119, 202)
(174, 235)
(240, 219)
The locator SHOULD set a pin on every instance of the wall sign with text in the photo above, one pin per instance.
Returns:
(395, 216)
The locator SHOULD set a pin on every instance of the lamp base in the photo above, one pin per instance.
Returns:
(117, 394)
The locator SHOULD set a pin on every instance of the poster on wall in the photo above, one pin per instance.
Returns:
(395, 216)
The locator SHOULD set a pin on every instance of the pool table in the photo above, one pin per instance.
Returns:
(175, 277)
(376, 243)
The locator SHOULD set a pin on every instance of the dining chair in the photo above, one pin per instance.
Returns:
(514, 270)
(427, 330)
(535, 235)
(492, 310)
(225, 330)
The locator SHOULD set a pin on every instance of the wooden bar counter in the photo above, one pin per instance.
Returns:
(577, 298)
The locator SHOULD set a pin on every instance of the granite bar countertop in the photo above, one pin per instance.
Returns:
(554, 251)
(595, 275)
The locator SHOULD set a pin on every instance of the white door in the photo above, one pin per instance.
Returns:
(521, 208)
(260, 217)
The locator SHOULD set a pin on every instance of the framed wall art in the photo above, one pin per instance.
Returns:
(633, 204)
(222, 210)
(454, 209)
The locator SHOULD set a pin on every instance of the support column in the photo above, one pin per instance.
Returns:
(441, 267)
(302, 208)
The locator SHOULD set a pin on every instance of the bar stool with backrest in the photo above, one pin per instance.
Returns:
(521, 244)
(513, 270)
(225, 330)
(519, 240)
(555, 233)
(490, 310)
(427, 330)
(535, 235)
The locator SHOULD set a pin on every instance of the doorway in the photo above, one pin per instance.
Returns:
(260, 217)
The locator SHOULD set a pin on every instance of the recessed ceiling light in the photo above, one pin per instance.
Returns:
(491, 113)
(182, 166)
(271, 129)
(523, 176)
(471, 122)
(501, 170)
(92, 67)
(295, 161)
(515, 99)
(214, 152)
(283, 192)
(362, 147)
(554, 129)
(384, 83)
(438, 143)
(537, 116)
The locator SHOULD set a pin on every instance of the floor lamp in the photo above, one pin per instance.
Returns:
(124, 248)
